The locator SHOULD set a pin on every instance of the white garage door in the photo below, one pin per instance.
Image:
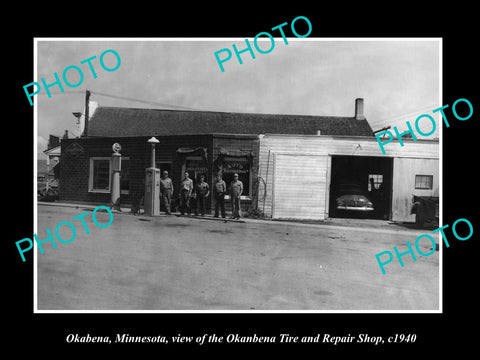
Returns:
(299, 187)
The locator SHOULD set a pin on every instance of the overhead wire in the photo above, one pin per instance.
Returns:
(378, 124)
(154, 103)
(391, 119)
(144, 101)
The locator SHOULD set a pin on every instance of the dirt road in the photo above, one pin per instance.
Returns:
(184, 263)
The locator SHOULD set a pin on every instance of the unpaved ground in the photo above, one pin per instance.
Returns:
(178, 263)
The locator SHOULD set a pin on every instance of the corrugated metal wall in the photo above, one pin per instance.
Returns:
(299, 187)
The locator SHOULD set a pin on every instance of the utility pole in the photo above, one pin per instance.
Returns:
(87, 101)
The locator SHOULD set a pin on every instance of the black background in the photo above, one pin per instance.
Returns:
(46, 333)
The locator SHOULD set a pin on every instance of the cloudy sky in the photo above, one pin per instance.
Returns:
(399, 80)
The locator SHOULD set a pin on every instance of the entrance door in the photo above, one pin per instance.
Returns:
(195, 166)
(299, 186)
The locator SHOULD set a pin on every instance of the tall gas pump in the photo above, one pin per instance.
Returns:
(116, 169)
(152, 185)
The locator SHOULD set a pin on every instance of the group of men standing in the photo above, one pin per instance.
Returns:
(200, 192)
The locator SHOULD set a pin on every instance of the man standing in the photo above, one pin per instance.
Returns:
(236, 189)
(202, 190)
(166, 191)
(219, 190)
(185, 192)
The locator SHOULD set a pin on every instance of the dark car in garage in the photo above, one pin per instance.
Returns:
(350, 197)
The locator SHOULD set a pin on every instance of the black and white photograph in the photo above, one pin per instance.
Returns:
(231, 179)
(246, 186)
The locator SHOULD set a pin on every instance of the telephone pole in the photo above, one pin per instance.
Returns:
(87, 101)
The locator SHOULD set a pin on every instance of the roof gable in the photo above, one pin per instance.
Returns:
(120, 122)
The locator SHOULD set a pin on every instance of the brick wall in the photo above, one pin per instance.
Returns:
(76, 154)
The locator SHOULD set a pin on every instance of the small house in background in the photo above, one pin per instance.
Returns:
(48, 170)
(42, 170)
(53, 153)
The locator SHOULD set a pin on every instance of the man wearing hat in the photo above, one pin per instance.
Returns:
(166, 191)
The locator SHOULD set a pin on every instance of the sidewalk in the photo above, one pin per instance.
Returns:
(364, 225)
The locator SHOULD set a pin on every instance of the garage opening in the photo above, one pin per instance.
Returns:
(361, 187)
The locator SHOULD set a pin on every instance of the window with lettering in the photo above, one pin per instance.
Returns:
(241, 166)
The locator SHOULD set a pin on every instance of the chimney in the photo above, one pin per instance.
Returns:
(359, 109)
(65, 136)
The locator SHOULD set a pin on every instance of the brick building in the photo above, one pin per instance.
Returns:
(86, 163)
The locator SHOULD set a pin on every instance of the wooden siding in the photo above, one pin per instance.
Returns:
(299, 187)
(274, 145)
(404, 171)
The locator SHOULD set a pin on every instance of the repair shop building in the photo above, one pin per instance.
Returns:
(201, 142)
(301, 171)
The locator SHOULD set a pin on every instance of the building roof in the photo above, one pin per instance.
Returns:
(121, 122)
(55, 151)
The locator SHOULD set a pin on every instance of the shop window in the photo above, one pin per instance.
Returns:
(377, 181)
(424, 182)
(240, 166)
(99, 176)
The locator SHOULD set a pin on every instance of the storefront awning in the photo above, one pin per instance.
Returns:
(199, 151)
(235, 153)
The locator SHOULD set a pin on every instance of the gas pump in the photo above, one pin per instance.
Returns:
(152, 185)
(116, 169)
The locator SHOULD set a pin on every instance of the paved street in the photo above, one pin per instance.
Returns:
(178, 263)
